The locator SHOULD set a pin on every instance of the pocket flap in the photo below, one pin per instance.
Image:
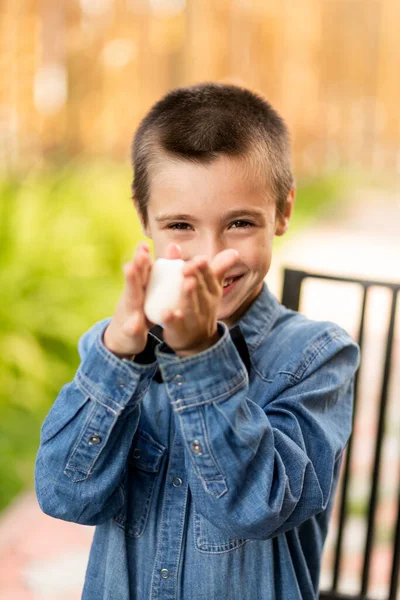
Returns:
(146, 453)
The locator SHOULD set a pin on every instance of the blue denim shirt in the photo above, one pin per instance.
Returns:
(215, 482)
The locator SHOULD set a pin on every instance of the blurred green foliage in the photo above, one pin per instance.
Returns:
(64, 235)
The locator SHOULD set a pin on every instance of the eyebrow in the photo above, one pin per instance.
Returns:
(174, 217)
(233, 214)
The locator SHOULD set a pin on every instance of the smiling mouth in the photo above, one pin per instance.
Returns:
(230, 282)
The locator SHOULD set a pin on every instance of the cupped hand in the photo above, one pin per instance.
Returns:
(192, 327)
(126, 334)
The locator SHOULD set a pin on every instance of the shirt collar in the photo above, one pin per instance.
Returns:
(250, 330)
(260, 317)
(236, 334)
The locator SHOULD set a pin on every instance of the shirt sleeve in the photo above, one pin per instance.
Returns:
(259, 466)
(86, 436)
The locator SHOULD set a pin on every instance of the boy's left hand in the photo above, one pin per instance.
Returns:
(192, 328)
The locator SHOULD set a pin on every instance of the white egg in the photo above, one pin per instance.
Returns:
(164, 288)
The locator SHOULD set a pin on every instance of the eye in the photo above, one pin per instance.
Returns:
(179, 226)
(240, 224)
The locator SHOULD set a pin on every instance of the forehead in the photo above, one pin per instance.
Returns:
(224, 182)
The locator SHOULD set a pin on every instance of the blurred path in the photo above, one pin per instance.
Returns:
(42, 558)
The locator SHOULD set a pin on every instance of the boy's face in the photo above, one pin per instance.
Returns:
(208, 208)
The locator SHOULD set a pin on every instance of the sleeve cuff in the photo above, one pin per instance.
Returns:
(110, 380)
(211, 375)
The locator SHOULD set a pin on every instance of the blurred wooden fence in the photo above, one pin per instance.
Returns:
(76, 76)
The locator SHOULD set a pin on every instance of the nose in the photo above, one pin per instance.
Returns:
(211, 246)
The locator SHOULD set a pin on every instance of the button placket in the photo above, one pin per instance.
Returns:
(178, 379)
(165, 573)
(197, 447)
(170, 540)
(121, 383)
(94, 439)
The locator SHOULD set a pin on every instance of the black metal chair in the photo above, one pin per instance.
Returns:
(291, 293)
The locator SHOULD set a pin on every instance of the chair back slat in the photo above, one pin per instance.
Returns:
(348, 456)
(291, 298)
(378, 448)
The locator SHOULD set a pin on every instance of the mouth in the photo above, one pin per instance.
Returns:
(230, 283)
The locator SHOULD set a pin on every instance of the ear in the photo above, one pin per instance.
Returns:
(144, 227)
(283, 219)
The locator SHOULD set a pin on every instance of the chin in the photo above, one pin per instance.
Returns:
(227, 316)
(224, 315)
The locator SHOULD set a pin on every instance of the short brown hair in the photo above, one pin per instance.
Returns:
(200, 122)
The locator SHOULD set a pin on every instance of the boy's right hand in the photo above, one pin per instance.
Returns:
(126, 334)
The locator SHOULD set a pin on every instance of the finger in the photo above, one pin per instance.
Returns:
(191, 292)
(130, 271)
(148, 272)
(142, 248)
(170, 317)
(133, 293)
(140, 251)
(210, 280)
(173, 251)
(192, 265)
(136, 276)
(202, 290)
(145, 264)
(222, 262)
(142, 255)
(140, 266)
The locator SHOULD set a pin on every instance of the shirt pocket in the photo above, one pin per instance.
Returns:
(211, 540)
(142, 474)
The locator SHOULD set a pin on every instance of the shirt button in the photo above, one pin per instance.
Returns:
(179, 379)
(165, 573)
(197, 447)
(94, 439)
(177, 482)
(136, 453)
(121, 383)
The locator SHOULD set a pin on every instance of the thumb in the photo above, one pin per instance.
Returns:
(223, 261)
(173, 251)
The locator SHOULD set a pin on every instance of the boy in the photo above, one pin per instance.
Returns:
(207, 450)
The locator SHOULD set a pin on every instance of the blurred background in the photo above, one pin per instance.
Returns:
(76, 77)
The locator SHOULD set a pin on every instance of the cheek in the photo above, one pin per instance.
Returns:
(160, 247)
(257, 255)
